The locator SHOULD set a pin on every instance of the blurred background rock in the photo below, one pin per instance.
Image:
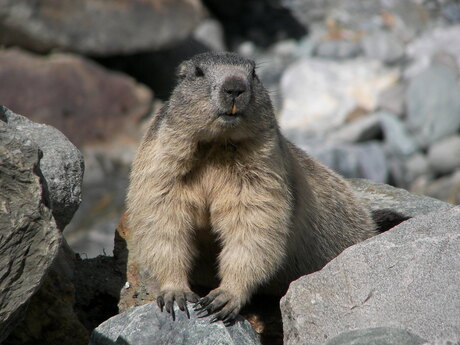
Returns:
(371, 88)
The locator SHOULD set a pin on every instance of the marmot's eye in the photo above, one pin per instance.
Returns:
(198, 72)
(254, 75)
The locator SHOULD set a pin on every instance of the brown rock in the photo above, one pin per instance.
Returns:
(83, 100)
(97, 27)
(140, 287)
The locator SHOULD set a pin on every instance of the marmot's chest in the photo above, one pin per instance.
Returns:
(210, 186)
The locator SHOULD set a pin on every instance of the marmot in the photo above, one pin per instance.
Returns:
(218, 197)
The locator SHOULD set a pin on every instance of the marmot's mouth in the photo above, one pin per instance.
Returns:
(233, 111)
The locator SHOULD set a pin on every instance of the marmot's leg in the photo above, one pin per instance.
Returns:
(253, 247)
(163, 240)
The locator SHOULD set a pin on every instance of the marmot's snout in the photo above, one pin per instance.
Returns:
(234, 93)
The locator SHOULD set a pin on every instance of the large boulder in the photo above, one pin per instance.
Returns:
(80, 98)
(29, 237)
(147, 325)
(390, 205)
(405, 278)
(62, 163)
(97, 27)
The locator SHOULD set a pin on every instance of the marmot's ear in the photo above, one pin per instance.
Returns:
(181, 71)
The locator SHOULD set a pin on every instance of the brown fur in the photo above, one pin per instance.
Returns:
(237, 207)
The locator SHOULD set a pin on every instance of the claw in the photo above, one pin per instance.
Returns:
(198, 307)
(204, 301)
(170, 309)
(183, 306)
(160, 302)
(214, 319)
(203, 313)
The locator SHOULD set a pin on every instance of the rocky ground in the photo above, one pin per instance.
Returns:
(370, 88)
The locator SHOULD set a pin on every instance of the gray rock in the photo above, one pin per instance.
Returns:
(451, 12)
(390, 205)
(433, 105)
(407, 17)
(444, 155)
(415, 166)
(337, 49)
(148, 325)
(211, 33)
(364, 128)
(62, 164)
(383, 46)
(393, 99)
(446, 188)
(422, 49)
(29, 238)
(377, 336)
(397, 139)
(365, 160)
(406, 277)
(318, 95)
(110, 27)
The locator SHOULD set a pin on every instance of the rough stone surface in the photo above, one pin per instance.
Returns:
(62, 164)
(406, 277)
(377, 336)
(97, 27)
(148, 325)
(83, 100)
(433, 105)
(29, 237)
(444, 155)
(51, 318)
(390, 205)
(318, 95)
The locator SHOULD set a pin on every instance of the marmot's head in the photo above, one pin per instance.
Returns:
(219, 95)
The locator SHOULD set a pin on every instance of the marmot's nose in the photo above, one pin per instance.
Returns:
(234, 87)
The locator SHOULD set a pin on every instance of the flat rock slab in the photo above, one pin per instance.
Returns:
(377, 336)
(29, 238)
(147, 325)
(97, 27)
(407, 277)
(390, 205)
(62, 163)
(83, 100)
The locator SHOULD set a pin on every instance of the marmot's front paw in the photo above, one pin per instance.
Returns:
(166, 299)
(222, 302)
